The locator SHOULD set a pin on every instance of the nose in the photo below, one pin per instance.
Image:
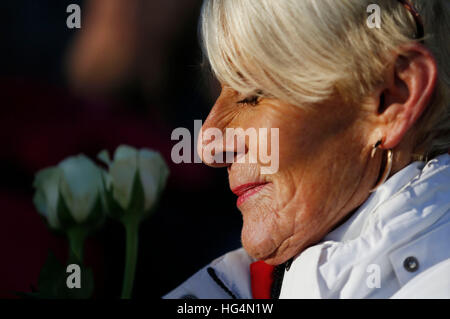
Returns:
(217, 149)
(217, 144)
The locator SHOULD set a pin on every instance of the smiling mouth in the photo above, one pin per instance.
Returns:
(244, 192)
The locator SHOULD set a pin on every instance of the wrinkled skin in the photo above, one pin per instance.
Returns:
(325, 166)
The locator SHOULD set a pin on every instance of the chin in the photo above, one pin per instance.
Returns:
(277, 257)
(261, 248)
(273, 258)
(266, 249)
(256, 249)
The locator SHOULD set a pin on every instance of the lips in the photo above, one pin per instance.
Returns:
(246, 191)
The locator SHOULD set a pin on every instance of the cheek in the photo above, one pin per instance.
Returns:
(311, 193)
(320, 166)
(326, 182)
(271, 220)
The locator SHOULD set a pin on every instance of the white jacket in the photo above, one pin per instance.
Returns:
(396, 245)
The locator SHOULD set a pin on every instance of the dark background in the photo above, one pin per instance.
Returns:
(130, 75)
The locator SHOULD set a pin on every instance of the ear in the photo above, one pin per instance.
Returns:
(409, 88)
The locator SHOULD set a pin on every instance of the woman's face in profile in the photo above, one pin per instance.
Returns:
(324, 170)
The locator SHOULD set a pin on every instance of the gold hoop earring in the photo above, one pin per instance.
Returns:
(387, 168)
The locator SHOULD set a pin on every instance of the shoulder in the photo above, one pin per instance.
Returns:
(226, 277)
(422, 266)
(433, 283)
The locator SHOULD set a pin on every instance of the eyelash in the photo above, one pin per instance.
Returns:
(252, 100)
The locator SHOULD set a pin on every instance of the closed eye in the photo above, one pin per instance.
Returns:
(252, 100)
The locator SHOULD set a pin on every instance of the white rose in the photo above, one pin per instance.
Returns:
(136, 178)
(70, 194)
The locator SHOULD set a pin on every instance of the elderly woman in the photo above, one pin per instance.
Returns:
(360, 204)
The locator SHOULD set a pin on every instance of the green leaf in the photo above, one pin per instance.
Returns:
(65, 217)
(112, 208)
(104, 157)
(77, 237)
(97, 216)
(137, 200)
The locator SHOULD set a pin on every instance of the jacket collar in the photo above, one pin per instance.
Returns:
(232, 272)
(354, 225)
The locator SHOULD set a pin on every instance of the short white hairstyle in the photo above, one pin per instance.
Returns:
(305, 51)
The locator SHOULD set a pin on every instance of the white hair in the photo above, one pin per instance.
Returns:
(305, 51)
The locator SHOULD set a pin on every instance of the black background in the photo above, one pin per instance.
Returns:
(43, 120)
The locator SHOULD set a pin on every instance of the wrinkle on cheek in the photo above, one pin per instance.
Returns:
(220, 117)
(286, 191)
(224, 110)
(305, 225)
(289, 204)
